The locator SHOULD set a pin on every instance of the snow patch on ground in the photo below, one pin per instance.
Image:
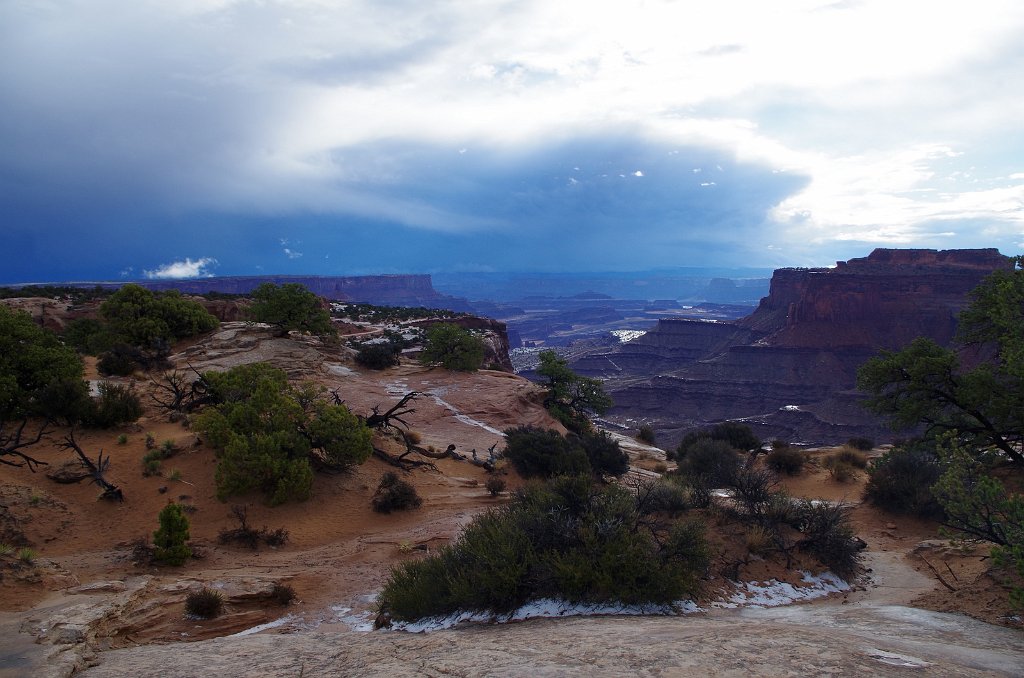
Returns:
(746, 594)
(287, 619)
(464, 418)
(774, 593)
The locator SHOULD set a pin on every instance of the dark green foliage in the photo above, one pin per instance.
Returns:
(544, 452)
(395, 494)
(566, 540)
(571, 399)
(453, 348)
(269, 434)
(495, 485)
(116, 405)
(206, 603)
(713, 461)
(39, 377)
(788, 460)
(828, 535)
(89, 336)
(291, 307)
(143, 318)
(754, 490)
(862, 444)
(120, 360)
(604, 454)
(739, 436)
(171, 538)
(901, 480)
(646, 434)
(378, 356)
(979, 506)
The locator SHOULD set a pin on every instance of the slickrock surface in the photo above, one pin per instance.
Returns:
(803, 641)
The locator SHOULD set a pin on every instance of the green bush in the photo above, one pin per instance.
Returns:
(495, 485)
(269, 435)
(901, 481)
(171, 538)
(395, 494)
(739, 436)
(788, 460)
(282, 594)
(116, 405)
(852, 456)
(862, 444)
(453, 347)
(564, 539)
(716, 461)
(120, 360)
(291, 307)
(378, 356)
(828, 535)
(604, 454)
(206, 603)
(544, 452)
(646, 434)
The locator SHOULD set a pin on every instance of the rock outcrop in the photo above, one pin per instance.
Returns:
(789, 368)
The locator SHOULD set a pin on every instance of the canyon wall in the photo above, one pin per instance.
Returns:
(789, 368)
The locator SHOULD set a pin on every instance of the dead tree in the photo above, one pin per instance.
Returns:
(389, 421)
(178, 394)
(383, 421)
(13, 444)
(96, 471)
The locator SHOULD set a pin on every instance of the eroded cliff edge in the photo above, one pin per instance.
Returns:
(789, 368)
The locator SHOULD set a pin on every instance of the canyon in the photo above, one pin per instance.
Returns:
(789, 368)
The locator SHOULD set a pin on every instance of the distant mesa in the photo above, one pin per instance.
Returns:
(801, 347)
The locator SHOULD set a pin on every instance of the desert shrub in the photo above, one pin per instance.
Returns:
(862, 444)
(116, 405)
(118, 361)
(604, 454)
(206, 603)
(564, 539)
(171, 538)
(6, 549)
(394, 494)
(291, 307)
(571, 398)
(88, 336)
(646, 434)
(249, 536)
(151, 465)
(716, 461)
(840, 470)
(901, 481)
(282, 594)
(788, 460)
(661, 496)
(739, 436)
(852, 456)
(122, 439)
(378, 356)
(543, 452)
(753, 489)
(827, 535)
(26, 555)
(453, 347)
(269, 434)
(495, 485)
(758, 539)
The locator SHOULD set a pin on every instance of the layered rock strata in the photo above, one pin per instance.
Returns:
(789, 368)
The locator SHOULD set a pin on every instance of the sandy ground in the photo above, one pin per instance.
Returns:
(339, 551)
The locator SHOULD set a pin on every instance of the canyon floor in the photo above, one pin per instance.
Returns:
(85, 605)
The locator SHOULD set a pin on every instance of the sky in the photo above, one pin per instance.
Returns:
(186, 138)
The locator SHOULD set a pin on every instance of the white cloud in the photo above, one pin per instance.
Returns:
(292, 254)
(183, 269)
